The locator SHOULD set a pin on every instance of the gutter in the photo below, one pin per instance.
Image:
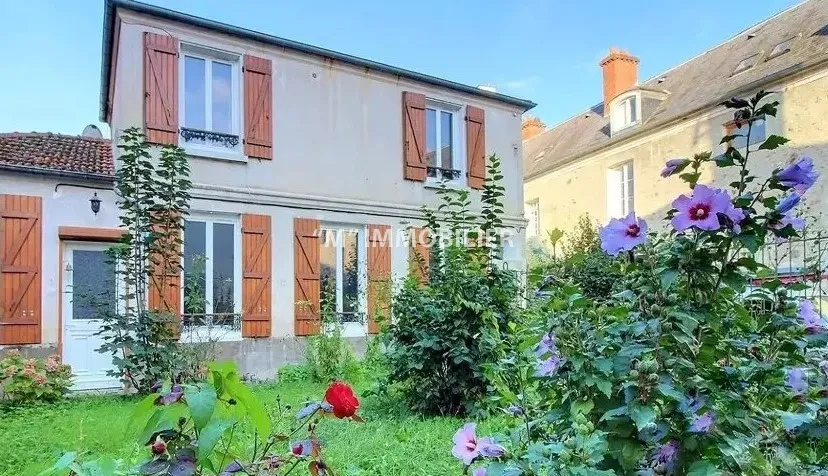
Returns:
(109, 24)
(92, 178)
(656, 126)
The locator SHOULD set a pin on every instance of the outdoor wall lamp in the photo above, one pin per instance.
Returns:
(95, 203)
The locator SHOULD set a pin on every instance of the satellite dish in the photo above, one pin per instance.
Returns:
(92, 132)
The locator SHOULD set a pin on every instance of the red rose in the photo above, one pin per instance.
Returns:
(341, 397)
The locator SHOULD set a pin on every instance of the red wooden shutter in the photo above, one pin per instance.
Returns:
(419, 254)
(20, 269)
(165, 283)
(161, 88)
(306, 272)
(379, 275)
(258, 107)
(414, 134)
(476, 146)
(256, 264)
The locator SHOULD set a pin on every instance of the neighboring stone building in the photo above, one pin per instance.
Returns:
(606, 160)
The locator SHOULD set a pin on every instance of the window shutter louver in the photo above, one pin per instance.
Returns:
(20, 269)
(256, 266)
(258, 107)
(379, 275)
(165, 283)
(161, 88)
(476, 146)
(419, 254)
(307, 276)
(414, 134)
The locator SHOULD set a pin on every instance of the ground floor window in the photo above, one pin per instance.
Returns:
(343, 264)
(212, 276)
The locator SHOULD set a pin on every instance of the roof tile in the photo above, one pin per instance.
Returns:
(57, 152)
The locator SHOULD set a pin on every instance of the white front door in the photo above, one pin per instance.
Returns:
(89, 290)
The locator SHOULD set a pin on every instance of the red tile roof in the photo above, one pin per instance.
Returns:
(57, 152)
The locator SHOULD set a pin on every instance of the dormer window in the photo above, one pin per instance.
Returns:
(745, 64)
(624, 113)
(780, 49)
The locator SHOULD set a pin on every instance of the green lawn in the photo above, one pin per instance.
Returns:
(390, 442)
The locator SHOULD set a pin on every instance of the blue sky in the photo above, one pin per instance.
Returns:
(543, 50)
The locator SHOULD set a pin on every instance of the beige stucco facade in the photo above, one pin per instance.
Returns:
(580, 186)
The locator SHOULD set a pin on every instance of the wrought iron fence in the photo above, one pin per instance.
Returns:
(799, 260)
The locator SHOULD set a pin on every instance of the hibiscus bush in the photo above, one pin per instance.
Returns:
(219, 427)
(33, 380)
(690, 369)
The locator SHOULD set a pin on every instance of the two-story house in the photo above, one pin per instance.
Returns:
(606, 161)
(306, 164)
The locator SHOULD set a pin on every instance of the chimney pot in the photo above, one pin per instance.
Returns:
(620, 70)
(531, 127)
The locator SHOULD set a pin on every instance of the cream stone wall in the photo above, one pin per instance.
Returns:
(581, 187)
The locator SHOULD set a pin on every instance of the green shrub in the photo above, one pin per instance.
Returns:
(446, 330)
(694, 369)
(328, 355)
(25, 381)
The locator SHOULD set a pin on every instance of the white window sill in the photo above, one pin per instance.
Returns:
(624, 128)
(201, 334)
(215, 153)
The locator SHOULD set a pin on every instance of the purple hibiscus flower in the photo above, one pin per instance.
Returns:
(466, 446)
(175, 395)
(797, 381)
(691, 405)
(546, 345)
(667, 455)
(734, 217)
(800, 175)
(672, 166)
(702, 209)
(797, 223)
(788, 203)
(549, 366)
(481, 471)
(231, 469)
(702, 423)
(810, 317)
(623, 234)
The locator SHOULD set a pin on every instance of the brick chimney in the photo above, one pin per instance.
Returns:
(531, 127)
(620, 74)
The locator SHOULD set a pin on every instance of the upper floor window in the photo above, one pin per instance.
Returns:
(620, 190)
(745, 64)
(533, 215)
(757, 132)
(212, 278)
(624, 113)
(210, 109)
(443, 131)
(780, 49)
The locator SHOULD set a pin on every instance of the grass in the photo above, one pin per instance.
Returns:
(392, 441)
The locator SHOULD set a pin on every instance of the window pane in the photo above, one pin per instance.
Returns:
(194, 97)
(431, 137)
(350, 273)
(195, 256)
(629, 189)
(93, 284)
(327, 262)
(757, 132)
(223, 268)
(633, 110)
(445, 140)
(222, 98)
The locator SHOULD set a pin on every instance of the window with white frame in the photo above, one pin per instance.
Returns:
(443, 141)
(210, 109)
(212, 276)
(624, 113)
(757, 132)
(620, 190)
(533, 215)
(342, 259)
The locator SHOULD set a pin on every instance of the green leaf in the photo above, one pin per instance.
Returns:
(605, 386)
(703, 468)
(142, 411)
(210, 436)
(61, 464)
(642, 416)
(668, 278)
(772, 142)
(792, 421)
(583, 407)
(202, 404)
(252, 405)
(616, 412)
